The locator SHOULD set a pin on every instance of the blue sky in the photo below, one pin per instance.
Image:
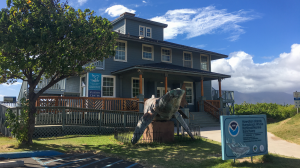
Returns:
(262, 38)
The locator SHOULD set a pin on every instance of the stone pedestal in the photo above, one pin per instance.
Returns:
(159, 131)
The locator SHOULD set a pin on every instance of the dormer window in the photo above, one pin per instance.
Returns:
(142, 31)
(145, 31)
(204, 62)
(148, 32)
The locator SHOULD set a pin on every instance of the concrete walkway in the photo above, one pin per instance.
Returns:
(276, 145)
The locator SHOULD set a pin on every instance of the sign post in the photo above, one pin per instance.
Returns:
(243, 136)
(297, 100)
(94, 85)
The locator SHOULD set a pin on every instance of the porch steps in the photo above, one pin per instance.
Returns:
(203, 119)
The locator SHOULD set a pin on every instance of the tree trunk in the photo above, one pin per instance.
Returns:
(31, 114)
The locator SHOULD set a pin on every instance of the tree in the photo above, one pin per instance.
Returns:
(47, 38)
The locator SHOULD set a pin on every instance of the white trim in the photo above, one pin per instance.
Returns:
(114, 90)
(192, 92)
(143, 30)
(80, 85)
(184, 59)
(125, 26)
(150, 32)
(162, 54)
(207, 63)
(125, 51)
(132, 85)
(152, 52)
(161, 91)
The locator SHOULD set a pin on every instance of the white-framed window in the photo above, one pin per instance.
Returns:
(83, 86)
(142, 31)
(121, 51)
(148, 32)
(148, 52)
(189, 92)
(166, 55)
(204, 62)
(135, 86)
(108, 84)
(187, 59)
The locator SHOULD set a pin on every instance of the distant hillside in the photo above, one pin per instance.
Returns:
(264, 97)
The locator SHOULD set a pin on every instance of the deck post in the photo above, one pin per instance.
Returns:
(125, 120)
(63, 118)
(220, 91)
(166, 83)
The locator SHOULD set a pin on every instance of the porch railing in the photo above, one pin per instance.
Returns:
(119, 104)
(212, 109)
(60, 86)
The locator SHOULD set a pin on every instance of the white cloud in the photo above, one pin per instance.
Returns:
(116, 10)
(207, 20)
(279, 75)
(81, 2)
(144, 2)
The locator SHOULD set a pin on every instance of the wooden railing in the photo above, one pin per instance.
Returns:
(210, 108)
(216, 103)
(119, 104)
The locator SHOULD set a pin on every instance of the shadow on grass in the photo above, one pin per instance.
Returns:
(197, 153)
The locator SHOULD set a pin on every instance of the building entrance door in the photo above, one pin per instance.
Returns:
(161, 91)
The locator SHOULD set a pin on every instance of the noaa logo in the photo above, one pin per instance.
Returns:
(233, 128)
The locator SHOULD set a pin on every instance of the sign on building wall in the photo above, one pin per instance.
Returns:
(243, 136)
(94, 85)
(297, 99)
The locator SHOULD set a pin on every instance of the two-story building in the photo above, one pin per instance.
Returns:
(146, 65)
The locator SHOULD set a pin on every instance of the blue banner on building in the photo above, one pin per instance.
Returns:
(94, 85)
(243, 136)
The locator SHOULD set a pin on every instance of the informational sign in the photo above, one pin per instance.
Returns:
(94, 85)
(243, 136)
(10, 99)
(297, 99)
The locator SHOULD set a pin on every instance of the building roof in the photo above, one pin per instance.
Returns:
(173, 69)
(145, 40)
(131, 16)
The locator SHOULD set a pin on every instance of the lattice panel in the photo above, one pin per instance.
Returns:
(42, 132)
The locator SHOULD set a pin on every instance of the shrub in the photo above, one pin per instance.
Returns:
(18, 123)
(272, 110)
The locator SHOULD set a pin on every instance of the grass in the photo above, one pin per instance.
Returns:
(288, 129)
(198, 153)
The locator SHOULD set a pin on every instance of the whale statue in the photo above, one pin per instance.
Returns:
(161, 109)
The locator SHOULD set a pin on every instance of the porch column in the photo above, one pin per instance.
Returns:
(220, 91)
(141, 82)
(166, 83)
(202, 98)
(202, 91)
(220, 98)
(141, 96)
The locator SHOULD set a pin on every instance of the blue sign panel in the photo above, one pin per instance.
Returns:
(94, 88)
(297, 98)
(243, 136)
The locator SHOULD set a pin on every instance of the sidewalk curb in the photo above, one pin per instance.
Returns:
(26, 154)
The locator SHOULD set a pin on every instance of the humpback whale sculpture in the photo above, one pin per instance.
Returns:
(160, 109)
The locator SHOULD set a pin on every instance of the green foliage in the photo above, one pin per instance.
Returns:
(46, 37)
(272, 110)
(18, 122)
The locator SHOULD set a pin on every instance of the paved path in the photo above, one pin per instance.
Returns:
(275, 144)
(87, 160)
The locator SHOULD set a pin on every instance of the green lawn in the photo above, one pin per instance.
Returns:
(288, 129)
(198, 153)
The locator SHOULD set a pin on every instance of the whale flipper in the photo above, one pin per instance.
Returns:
(184, 125)
(143, 123)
